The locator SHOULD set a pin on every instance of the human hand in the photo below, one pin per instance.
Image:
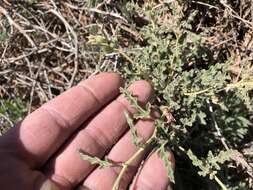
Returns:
(41, 151)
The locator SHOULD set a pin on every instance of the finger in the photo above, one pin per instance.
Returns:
(94, 139)
(45, 130)
(154, 174)
(101, 179)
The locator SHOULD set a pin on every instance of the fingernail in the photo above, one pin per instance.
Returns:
(48, 185)
(54, 187)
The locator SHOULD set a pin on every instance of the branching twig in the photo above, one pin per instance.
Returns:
(49, 85)
(205, 4)
(25, 55)
(227, 87)
(235, 15)
(95, 10)
(19, 28)
(126, 164)
(222, 138)
(33, 88)
(74, 36)
(220, 183)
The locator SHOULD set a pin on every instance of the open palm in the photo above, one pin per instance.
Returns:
(41, 151)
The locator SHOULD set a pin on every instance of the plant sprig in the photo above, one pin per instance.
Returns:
(211, 165)
(95, 160)
(141, 113)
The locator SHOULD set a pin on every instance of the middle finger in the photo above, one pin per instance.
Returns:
(104, 178)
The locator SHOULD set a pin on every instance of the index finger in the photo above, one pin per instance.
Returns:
(41, 133)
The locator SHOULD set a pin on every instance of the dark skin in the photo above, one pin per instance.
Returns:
(41, 151)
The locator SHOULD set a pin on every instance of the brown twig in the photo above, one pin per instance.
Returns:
(74, 36)
(19, 28)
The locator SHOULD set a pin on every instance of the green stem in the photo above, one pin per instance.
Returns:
(234, 85)
(223, 187)
(117, 181)
(198, 92)
(126, 164)
(240, 84)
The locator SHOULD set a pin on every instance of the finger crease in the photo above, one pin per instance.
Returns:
(95, 139)
(125, 177)
(125, 107)
(91, 92)
(63, 181)
(102, 137)
(57, 117)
